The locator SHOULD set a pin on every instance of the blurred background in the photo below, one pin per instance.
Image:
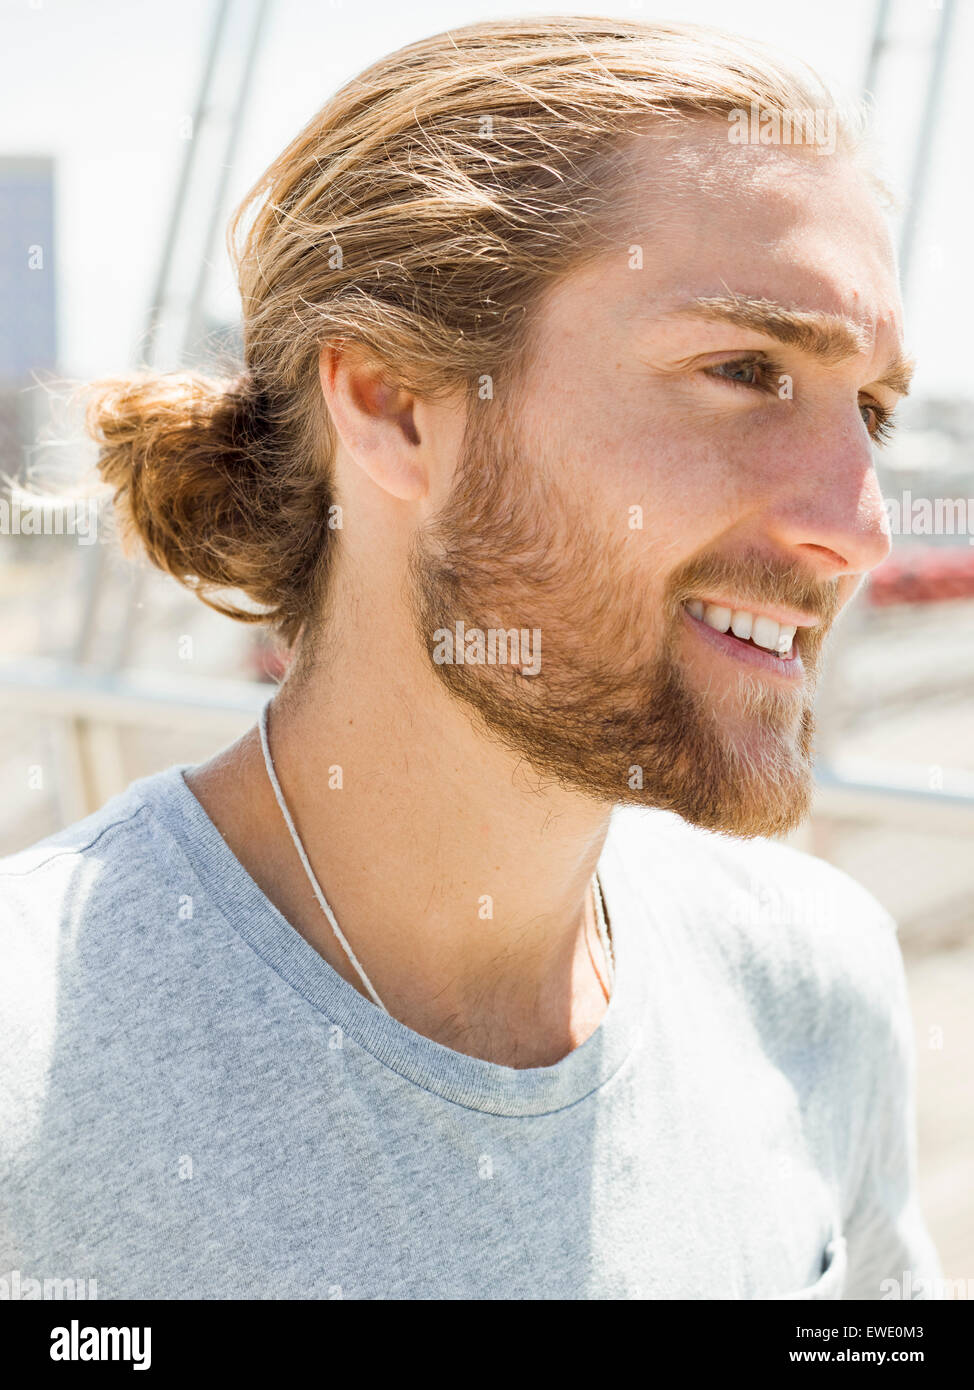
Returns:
(128, 135)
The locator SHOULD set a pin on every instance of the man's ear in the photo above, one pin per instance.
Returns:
(375, 421)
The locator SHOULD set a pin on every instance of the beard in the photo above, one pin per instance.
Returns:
(514, 548)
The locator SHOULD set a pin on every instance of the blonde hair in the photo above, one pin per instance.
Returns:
(419, 214)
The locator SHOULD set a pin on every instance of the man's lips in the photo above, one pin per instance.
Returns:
(787, 668)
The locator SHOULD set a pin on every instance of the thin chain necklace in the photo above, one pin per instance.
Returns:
(323, 902)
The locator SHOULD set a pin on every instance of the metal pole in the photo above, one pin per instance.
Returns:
(80, 732)
(877, 46)
(123, 640)
(195, 312)
(921, 157)
(97, 564)
(160, 291)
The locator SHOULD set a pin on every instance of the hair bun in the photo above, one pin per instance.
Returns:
(200, 481)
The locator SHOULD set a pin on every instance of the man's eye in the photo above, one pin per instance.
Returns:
(878, 421)
(746, 373)
(760, 373)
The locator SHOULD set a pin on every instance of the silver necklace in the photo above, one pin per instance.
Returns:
(323, 902)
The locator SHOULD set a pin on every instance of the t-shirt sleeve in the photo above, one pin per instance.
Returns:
(890, 1252)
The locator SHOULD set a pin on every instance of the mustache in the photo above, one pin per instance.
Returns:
(757, 580)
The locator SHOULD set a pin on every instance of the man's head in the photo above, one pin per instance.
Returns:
(573, 358)
(691, 428)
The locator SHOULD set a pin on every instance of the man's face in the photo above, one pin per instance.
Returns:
(683, 455)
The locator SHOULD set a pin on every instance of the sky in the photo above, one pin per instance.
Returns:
(106, 86)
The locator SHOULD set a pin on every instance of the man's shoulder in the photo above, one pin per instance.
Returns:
(75, 912)
(62, 848)
(109, 844)
(789, 926)
(704, 863)
(78, 890)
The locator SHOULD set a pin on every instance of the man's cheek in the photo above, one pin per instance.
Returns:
(693, 495)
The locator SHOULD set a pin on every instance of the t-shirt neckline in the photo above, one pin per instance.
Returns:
(467, 1081)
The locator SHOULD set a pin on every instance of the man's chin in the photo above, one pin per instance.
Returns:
(749, 782)
(758, 808)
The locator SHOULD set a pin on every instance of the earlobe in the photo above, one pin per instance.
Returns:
(375, 421)
(398, 476)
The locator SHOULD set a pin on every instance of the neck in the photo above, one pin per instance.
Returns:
(461, 882)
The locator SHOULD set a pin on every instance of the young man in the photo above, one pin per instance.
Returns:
(552, 460)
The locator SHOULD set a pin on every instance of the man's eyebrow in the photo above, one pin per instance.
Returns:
(829, 337)
(898, 375)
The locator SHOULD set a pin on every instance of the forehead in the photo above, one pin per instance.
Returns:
(699, 216)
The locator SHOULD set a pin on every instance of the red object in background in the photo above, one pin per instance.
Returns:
(926, 575)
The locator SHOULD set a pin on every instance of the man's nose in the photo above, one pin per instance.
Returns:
(830, 515)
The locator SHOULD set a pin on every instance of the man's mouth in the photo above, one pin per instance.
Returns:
(753, 628)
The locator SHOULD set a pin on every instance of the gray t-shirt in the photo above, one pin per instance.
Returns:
(194, 1104)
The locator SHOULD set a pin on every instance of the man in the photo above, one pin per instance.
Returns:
(553, 461)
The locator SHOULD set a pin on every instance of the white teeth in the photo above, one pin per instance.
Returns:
(762, 631)
(765, 633)
(741, 624)
(718, 618)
